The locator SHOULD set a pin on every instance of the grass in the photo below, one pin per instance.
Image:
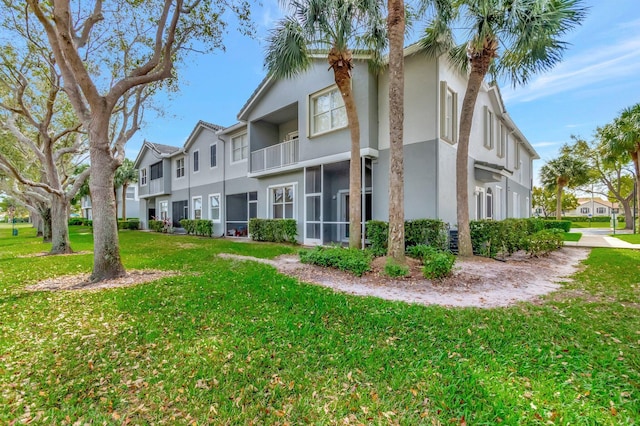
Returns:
(578, 225)
(572, 236)
(630, 238)
(232, 342)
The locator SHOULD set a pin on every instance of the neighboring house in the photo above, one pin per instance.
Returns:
(592, 207)
(288, 157)
(133, 203)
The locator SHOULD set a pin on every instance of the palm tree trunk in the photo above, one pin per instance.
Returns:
(396, 29)
(124, 200)
(559, 190)
(341, 62)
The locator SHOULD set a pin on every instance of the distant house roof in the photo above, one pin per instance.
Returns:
(597, 200)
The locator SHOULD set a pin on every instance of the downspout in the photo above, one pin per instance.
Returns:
(223, 196)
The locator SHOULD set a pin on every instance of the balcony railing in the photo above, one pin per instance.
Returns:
(156, 186)
(275, 156)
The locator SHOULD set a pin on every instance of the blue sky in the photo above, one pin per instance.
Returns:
(598, 77)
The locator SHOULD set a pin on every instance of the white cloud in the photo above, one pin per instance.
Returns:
(546, 144)
(596, 65)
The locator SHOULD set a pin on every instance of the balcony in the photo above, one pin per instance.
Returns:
(156, 186)
(275, 157)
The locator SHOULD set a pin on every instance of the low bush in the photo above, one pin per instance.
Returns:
(159, 225)
(77, 221)
(200, 227)
(394, 270)
(565, 225)
(544, 242)
(420, 251)
(351, 260)
(273, 230)
(132, 224)
(438, 265)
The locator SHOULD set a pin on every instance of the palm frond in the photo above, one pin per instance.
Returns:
(287, 52)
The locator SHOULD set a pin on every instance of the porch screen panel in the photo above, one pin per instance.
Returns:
(313, 200)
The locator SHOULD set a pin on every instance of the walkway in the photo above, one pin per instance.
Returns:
(599, 237)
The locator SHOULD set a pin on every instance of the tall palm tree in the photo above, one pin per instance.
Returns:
(396, 28)
(623, 138)
(126, 174)
(513, 39)
(335, 27)
(566, 171)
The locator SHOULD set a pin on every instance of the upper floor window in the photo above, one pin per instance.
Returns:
(180, 167)
(502, 143)
(489, 128)
(156, 170)
(448, 113)
(143, 177)
(196, 161)
(516, 154)
(213, 155)
(327, 111)
(239, 148)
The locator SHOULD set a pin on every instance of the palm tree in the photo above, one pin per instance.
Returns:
(126, 174)
(396, 28)
(623, 138)
(527, 33)
(335, 27)
(565, 171)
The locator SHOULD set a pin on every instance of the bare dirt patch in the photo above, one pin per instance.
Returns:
(476, 282)
(80, 281)
(46, 253)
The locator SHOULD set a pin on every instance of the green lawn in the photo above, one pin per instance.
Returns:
(630, 238)
(579, 225)
(232, 342)
(572, 236)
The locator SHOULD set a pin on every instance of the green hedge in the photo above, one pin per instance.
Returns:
(588, 219)
(273, 230)
(200, 227)
(351, 260)
(160, 226)
(132, 224)
(78, 221)
(544, 242)
(433, 232)
(565, 225)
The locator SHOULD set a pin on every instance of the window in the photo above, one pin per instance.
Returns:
(488, 128)
(504, 137)
(479, 203)
(180, 167)
(164, 210)
(327, 111)
(214, 207)
(516, 154)
(143, 177)
(156, 170)
(584, 210)
(239, 148)
(489, 207)
(213, 155)
(601, 210)
(448, 113)
(131, 193)
(196, 161)
(197, 208)
(282, 202)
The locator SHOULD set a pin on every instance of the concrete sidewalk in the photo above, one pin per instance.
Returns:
(593, 237)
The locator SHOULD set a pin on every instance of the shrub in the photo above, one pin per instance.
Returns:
(352, 260)
(490, 238)
(156, 225)
(200, 227)
(77, 221)
(544, 242)
(438, 264)
(394, 269)
(420, 251)
(431, 232)
(132, 224)
(273, 230)
(565, 225)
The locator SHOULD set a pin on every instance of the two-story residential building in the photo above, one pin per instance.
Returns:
(288, 157)
(132, 203)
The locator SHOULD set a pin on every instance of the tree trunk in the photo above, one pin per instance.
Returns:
(559, 189)
(396, 29)
(628, 212)
(341, 62)
(124, 200)
(106, 250)
(60, 226)
(45, 216)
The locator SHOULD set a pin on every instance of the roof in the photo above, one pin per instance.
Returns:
(597, 200)
(160, 149)
(199, 126)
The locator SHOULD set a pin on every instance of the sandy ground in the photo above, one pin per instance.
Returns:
(477, 282)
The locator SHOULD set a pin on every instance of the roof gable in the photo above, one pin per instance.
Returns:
(159, 149)
(201, 125)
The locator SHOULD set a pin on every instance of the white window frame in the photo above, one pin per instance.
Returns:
(498, 211)
(516, 154)
(143, 177)
(179, 167)
(601, 210)
(448, 113)
(193, 205)
(584, 210)
(503, 140)
(312, 113)
(480, 197)
(134, 193)
(164, 203)
(196, 161)
(270, 202)
(213, 146)
(219, 219)
(488, 204)
(489, 128)
(234, 149)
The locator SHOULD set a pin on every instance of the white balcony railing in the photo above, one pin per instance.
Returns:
(275, 156)
(156, 186)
